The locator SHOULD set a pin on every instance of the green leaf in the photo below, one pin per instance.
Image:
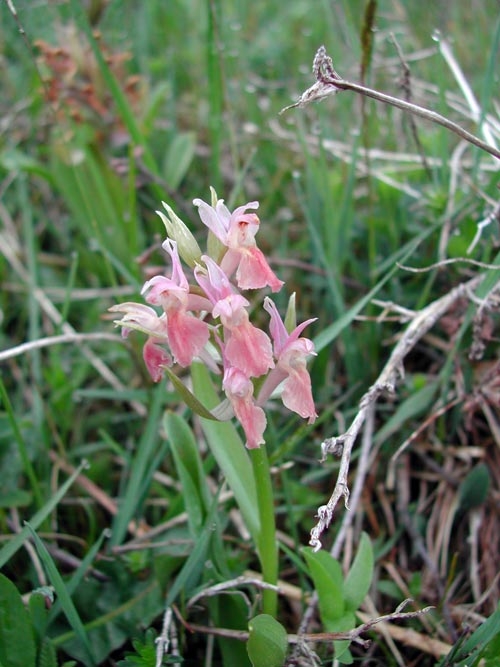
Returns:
(142, 470)
(474, 488)
(63, 595)
(17, 498)
(116, 90)
(267, 644)
(145, 652)
(78, 575)
(341, 646)
(178, 158)
(13, 160)
(230, 611)
(47, 655)
(335, 604)
(360, 575)
(189, 466)
(188, 397)
(39, 614)
(491, 652)
(481, 638)
(17, 638)
(328, 582)
(196, 561)
(333, 330)
(229, 452)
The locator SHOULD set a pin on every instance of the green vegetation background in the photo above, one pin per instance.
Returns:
(343, 195)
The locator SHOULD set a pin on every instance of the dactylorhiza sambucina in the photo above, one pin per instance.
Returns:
(187, 321)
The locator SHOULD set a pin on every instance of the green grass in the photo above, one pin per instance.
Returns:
(83, 170)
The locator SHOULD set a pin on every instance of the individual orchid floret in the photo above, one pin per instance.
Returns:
(236, 231)
(187, 335)
(176, 286)
(247, 348)
(239, 390)
(138, 317)
(214, 282)
(291, 352)
(155, 358)
(177, 230)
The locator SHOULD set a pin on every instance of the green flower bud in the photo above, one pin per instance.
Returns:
(178, 231)
(291, 314)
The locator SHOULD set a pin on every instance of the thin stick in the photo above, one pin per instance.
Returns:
(418, 327)
(328, 82)
(55, 340)
(351, 635)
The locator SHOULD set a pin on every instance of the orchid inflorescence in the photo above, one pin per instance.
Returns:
(209, 320)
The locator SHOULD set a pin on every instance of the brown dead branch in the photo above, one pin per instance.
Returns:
(421, 323)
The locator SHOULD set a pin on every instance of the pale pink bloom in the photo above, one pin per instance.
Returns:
(239, 390)
(215, 282)
(247, 348)
(297, 391)
(237, 232)
(155, 358)
(254, 272)
(187, 335)
(291, 352)
(138, 317)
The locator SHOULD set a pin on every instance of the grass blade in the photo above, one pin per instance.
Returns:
(229, 452)
(16, 543)
(63, 594)
(141, 471)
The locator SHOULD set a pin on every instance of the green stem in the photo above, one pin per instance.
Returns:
(267, 545)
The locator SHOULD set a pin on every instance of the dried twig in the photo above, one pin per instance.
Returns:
(493, 216)
(419, 326)
(410, 637)
(329, 82)
(70, 337)
(167, 637)
(351, 635)
(231, 585)
(362, 470)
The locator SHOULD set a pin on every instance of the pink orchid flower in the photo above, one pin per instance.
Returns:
(138, 317)
(187, 335)
(239, 390)
(291, 352)
(247, 348)
(155, 359)
(237, 232)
